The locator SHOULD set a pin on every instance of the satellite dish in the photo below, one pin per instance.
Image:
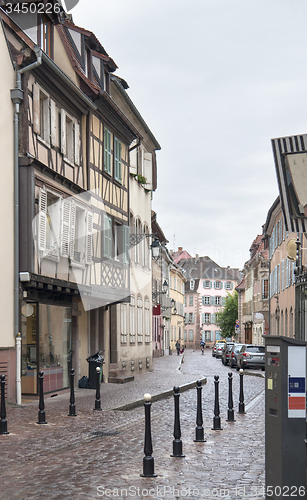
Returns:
(291, 250)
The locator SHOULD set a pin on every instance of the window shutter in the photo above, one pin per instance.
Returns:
(42, 220)
(213, 318)
(36, 120)
(63, 132)
(126, 244)
(148, 169)
(107, 150)
(65, 226)
(54, 128)
(89, 238)
(72, 229)
(193, 317)
(223, 301)
(231, 286)
(212, 300)
(133, 161)
(77, 143)
(203, 319)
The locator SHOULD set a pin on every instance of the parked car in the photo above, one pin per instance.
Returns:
(226, 352)
(215, 346)
(251, 356)
(235, 349)
(219, 348)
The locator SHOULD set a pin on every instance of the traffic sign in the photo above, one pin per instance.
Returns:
(237, 326)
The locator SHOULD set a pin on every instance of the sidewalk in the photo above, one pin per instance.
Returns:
(100, 454)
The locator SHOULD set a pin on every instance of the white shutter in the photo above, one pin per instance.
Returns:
(65, 227)
(42, 220)
(63, 132)
(133, 161)
(89, 238)
(36, 120)
(148, 169)
(54, 128)
(72, 229)
(77, 143)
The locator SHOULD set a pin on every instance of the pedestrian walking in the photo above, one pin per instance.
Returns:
(177, 345)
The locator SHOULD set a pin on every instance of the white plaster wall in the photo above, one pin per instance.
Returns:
(7, 197)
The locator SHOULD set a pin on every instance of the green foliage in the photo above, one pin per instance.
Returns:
(226, 318)
(141, 179)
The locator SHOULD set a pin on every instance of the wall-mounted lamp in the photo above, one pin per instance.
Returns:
(155, 248)
(164, 291)
(134, 239)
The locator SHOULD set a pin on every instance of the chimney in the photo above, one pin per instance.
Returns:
(179, 249)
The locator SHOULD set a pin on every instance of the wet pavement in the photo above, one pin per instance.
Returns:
(99, 454)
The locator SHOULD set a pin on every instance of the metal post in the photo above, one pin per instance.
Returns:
(230, 413)
(216, 418)
(148, 461)
(3, 422)
(97, 400)
(41, 412)
(72, 406)
(199, 432)
(241, 397)
(177, 443)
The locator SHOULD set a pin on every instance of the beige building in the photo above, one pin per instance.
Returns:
(177, 291)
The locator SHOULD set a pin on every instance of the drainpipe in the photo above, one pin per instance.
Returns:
(17, 98)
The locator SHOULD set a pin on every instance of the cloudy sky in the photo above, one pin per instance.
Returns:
(215, 81)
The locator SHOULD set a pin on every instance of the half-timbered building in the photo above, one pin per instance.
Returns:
(73, 164)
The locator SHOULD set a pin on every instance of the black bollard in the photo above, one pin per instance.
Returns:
(230, 413)
(41, 412)
(3, 421)
(72, 406)
(177, 443)
(216, 418)
(199, 433)
(241, 397)
(148, 461)
(97, 400)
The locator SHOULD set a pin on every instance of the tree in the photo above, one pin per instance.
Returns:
(226, 318)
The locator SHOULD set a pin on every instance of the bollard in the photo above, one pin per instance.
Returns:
(216, 418)
(41, 412)
(230, 413)
(3, 421)
(177, 443)
(97, 400)
(148, 461)
(72, 406)
(241, 397)
(199, 432)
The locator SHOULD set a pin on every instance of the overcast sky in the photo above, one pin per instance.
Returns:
(215, 81)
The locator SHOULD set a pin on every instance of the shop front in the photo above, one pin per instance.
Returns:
(46, 345)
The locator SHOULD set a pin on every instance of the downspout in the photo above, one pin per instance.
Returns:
(17, 98)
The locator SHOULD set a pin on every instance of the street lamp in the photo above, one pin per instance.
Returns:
(155, 248)
(164, 291)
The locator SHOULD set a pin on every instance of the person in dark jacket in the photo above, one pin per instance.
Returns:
(177, 345)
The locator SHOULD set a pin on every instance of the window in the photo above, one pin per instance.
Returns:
(117, 160)
(107, 237)
(107, 151)
(191, 318)
(175, 283)
(147, 321)
(132, 320)
(191, 335)
(123, 323)
(265, 289)
(49, 224)
(207, 335)
(228, 285)
(191, 300)
(217, 285)
(217, 301)
(206, 318)
(41, 113)
(192, 284)
(206, 300)
(140, 319)
(207, 284)
(45, 34)
(69, 136)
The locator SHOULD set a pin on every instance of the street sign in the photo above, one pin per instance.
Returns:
(237, 322)
(237, 326)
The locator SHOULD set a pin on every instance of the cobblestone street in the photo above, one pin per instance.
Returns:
(100, 454)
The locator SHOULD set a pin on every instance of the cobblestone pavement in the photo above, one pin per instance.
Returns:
(100, 454)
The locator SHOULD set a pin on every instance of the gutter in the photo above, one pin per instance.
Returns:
(17, 99)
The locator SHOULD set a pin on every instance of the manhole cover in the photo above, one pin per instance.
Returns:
(105, 433)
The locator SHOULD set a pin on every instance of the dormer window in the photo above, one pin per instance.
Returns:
(192, 284)
(45, 34)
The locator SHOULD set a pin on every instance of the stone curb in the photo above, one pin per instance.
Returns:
(158, 397)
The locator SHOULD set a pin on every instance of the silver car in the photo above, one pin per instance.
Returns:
(251, 356)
